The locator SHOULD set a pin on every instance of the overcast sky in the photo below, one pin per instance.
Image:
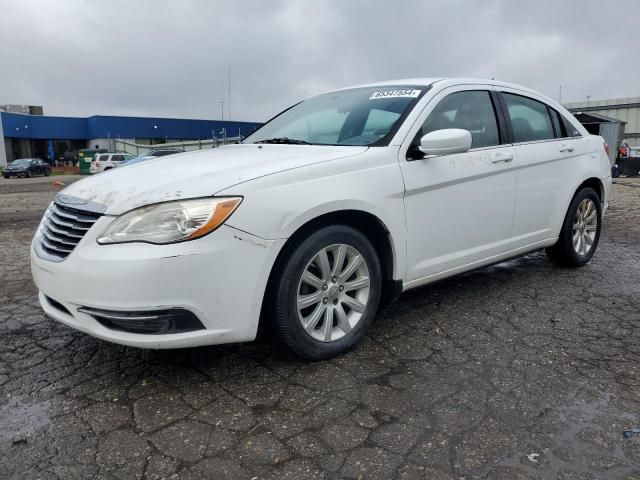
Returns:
(170, 58)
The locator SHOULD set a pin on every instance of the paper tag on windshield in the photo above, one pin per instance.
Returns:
(395, 93)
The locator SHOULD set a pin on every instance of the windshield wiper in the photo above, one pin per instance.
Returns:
(284, 141)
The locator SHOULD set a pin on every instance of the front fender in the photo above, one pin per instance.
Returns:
(275, 207)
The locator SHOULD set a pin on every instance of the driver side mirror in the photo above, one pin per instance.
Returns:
(445, 141)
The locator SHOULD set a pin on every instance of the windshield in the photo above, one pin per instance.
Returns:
(359, 116)
(20, 163)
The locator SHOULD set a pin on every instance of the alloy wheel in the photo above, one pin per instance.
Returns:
(333, 292)
(585, 227)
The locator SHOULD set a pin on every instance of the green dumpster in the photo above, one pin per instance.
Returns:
(84, 159)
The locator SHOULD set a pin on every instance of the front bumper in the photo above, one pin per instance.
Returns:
(220, 278)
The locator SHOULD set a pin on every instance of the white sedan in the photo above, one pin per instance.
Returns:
(344, 200)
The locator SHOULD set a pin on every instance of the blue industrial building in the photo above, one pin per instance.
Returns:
(27, 136)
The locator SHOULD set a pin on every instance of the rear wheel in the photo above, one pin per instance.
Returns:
(47, 173)
(29, 174)
(580, 231)
(327, 293)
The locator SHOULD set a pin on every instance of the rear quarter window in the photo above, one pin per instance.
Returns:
(571, 130)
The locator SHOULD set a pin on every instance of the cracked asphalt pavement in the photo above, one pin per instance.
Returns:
(518, 371)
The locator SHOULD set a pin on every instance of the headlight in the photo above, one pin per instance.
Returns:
(170, 222)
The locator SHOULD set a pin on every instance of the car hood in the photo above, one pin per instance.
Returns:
(197, 174)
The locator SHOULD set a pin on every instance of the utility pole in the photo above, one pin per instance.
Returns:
(588, 97)
(560, 94)
(221, 100)
(229, 92)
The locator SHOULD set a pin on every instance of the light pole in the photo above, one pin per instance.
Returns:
(221, 100)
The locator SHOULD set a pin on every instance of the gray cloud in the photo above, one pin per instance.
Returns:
(170, 58)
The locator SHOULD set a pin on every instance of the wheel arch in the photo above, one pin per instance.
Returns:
(593, 182)
(365, 222)
(590, 181)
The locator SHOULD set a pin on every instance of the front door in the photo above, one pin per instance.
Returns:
(459, 208)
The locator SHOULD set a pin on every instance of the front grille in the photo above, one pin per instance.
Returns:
(62, 229)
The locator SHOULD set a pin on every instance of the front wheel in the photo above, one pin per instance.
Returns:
(580, 231)
(327, 292)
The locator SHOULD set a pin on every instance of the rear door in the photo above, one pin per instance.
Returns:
(546, 152)
(459, 207)
(116, 159)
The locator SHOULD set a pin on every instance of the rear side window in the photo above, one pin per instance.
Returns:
(530, 119)
(558, 125)
(471, 110)
(102, 158)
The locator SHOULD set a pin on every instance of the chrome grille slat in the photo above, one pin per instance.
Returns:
(66, 233)
(56, 219)
(62, 229)
(76, 217)
(56, 239)
(55, 248)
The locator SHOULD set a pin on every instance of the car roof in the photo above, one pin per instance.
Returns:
(443, 82)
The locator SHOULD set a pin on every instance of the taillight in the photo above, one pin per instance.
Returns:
(606, 148)
(98, 164)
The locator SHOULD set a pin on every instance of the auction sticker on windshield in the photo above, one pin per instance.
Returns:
(395, 93)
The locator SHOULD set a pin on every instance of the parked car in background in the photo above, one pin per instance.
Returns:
(106, 161)
(27, 167)
(341, 202)
(161, 152)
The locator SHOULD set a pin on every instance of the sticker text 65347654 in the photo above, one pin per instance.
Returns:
(395, 93)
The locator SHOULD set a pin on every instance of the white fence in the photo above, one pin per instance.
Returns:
(125, 146)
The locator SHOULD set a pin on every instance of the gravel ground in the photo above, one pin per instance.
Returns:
(518, 371)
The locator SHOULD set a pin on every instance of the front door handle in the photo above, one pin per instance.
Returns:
(566, 148)
(501, 157)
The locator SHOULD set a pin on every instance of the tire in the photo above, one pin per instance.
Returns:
(29, 175)
(348, 325)
(47, 173)
(565, 252)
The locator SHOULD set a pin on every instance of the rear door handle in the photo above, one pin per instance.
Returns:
(501, 157)
(566, 148)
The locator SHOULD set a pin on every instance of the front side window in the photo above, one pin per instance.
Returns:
(530, 119)
(358, 116)
(471, 110)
